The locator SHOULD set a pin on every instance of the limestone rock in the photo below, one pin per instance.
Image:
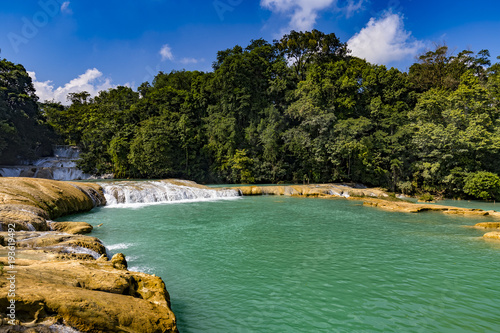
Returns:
(409, 207)
(64, 277)
(28, 202)
(492, 235)
(487, 225)
(46, 173)
(118, 261)
(90, 296)
(317, 190)
(71, 227)
(28, 173)
(60, 246)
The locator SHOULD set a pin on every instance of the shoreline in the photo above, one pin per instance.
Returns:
(64, 277)
(376, 198)
(58, 277)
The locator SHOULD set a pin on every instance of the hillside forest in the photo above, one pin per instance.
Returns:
(299, 109)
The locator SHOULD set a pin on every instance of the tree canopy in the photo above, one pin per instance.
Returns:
(300, 108)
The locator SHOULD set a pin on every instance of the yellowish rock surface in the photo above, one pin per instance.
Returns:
(487, 225)
(89, 296)
(492, 235)
(58, 279)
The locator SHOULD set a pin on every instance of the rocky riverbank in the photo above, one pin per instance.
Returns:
(53, 276)
(317, 190)
(57, 276)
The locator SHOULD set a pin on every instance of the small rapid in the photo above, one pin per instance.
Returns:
(139, 193)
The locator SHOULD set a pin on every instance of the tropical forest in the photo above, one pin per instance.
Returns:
(301, 109)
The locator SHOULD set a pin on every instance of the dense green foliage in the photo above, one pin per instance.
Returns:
(300, 109)
(483, 185)
(23, 134)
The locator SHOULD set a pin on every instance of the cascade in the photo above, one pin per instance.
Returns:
(61, 166)
(162, 191)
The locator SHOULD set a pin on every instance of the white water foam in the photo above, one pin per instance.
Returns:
(11, 171)
(58, 328)
(119, 246)
(134, 194)
(61, 166)
(132, 258)
(142, 269)
(83, 250)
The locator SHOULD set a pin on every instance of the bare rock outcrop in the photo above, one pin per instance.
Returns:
(28, 203)
(89, 296)
(64, 278)
(487, 225)
(492, 235)
(316, 190)
(74, 228)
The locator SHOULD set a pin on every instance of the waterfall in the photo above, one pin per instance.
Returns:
(11, 171)
(68, 152)
(61, 166)
(81, 250)
(162, 191)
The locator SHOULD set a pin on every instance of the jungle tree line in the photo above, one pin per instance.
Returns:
(300, 109)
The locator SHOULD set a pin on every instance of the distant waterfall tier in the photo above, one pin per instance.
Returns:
(60, 166)
(161, 191)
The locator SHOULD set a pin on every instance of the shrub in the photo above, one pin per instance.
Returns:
(482, 185)
(426, 197)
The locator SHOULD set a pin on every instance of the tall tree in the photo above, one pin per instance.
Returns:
(23, 134)
(305, 48)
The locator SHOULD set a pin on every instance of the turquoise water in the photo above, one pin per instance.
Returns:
(282, 264)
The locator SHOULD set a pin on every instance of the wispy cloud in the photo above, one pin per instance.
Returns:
(352, 7)
(187, 61)
(166, 53)
(91, 81)
(384, 40)
(302, 13)
(65, 8)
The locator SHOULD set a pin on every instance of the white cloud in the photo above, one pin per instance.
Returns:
(65, 8)
(302, 13)
(384, 40)
(352, 7)
(166, 53)
(91, 81)
(187, 61)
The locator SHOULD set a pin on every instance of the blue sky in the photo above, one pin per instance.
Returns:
(90, 45)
